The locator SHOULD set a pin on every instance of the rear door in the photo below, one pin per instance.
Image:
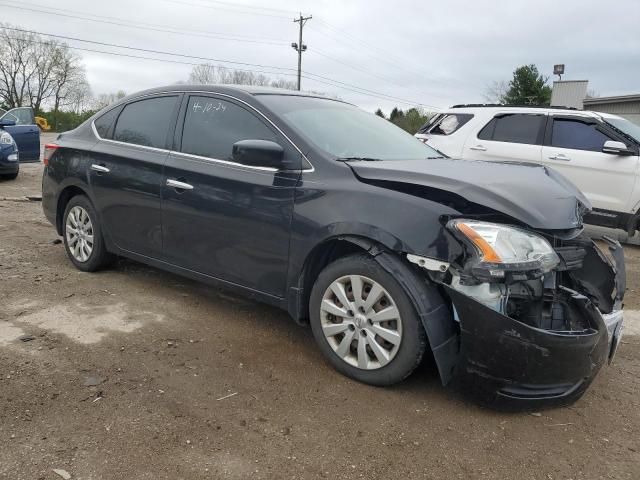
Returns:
(125, 171)
(232, 221)
(25, 133)
(508, 137)
(573, 146)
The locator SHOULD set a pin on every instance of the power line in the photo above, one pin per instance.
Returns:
(147, 50)
(288, 12)
(247, 12)
(117, 21)
(309, 75)
(386, 57)
(146, 26)
(164, 60)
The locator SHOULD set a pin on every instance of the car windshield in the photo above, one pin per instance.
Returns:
(347, 132)
(625, 126)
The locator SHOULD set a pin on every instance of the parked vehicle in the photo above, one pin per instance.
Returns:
(9, 164)
(20, 123)
(348, 223)
(43, 124)
(597, 151)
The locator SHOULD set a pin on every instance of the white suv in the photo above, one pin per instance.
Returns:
(596, 151)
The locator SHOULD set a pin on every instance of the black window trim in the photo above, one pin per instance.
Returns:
(540, 137)
(177, 139)
(124, 102)
(600, 126)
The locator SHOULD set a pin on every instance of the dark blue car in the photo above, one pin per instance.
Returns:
(19, 140)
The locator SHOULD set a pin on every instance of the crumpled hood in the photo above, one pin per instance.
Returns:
(533, 194)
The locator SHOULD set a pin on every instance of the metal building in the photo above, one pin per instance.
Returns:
(569, 93)
(627, 106)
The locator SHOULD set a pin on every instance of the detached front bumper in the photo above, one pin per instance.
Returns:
(511, 365)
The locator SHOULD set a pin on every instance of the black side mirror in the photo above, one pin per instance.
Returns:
(5, 122)
(258, 153)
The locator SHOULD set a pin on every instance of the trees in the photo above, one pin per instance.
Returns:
(527, 87)
(36, 71)
(208, 74)
(411, 120)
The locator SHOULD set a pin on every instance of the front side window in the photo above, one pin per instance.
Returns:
(146, 122)
(446, 124)
(212, 126)
(577, 135)
(22, 116)
(514, 128)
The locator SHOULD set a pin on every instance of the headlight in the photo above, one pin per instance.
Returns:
(6, 139)
(501, 248)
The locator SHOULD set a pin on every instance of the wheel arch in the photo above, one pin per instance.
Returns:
(432, 307)
(65, 196)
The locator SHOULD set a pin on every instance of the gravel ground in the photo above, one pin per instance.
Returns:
(137, 373)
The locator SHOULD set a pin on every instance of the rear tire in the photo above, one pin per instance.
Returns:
(82, 235)
(377, 343)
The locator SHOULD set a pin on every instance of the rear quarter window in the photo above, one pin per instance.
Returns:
(104, 123)
(446, 124)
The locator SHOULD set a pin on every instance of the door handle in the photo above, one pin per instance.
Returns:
(560, 156)
(99, 168)
(481, 148)
(179, 185)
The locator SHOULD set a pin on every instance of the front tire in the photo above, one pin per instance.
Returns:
(82, 236)
(364, 322)
(10, 176)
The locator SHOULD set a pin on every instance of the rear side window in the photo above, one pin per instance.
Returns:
(446, 124)
(514, 128)
(104, 123)
(146, 122)
(212, 126)
(577, 135)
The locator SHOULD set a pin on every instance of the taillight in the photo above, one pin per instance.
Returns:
(49, 150)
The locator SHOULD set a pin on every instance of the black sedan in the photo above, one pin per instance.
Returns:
(350, 224)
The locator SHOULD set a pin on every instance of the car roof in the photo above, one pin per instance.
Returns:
(238, 90)
(477, 109)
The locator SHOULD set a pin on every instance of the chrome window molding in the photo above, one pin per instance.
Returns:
(189, 92)
(229, 163)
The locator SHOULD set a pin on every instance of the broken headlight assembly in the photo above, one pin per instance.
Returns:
(504, 251)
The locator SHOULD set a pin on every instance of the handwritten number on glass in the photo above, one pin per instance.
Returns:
(209, 107)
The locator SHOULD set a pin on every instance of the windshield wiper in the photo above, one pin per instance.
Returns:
(364, 159)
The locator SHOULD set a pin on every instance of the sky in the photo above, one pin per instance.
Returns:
(373, 53)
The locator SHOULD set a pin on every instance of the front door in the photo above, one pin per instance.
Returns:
(25, 133)
(221, 218)
(125, 172)
(573, 146)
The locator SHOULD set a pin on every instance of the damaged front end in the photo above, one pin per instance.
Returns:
(539, 314)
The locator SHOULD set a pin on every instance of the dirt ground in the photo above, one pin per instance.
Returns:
(133, 373)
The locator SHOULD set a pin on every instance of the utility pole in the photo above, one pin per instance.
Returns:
(300, 47)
